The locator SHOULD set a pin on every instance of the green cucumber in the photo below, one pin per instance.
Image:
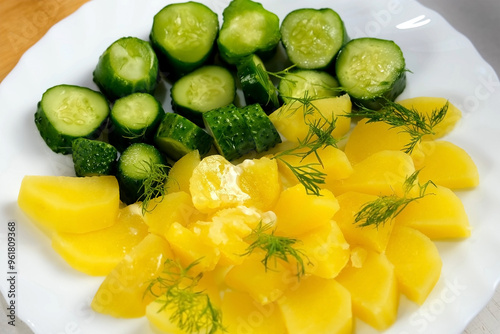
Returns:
(204, 89)
(303, 84)
(135, 166)
(371, 71)
(134, 118)
(184, 34)
(256, 84)
(313, 37)
(232, 136)
(177, 136)
(127, 66)
(265, 135)
(67, 112)
(93, 157)
(247, 28)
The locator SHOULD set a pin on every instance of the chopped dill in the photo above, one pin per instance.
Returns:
(190, 309)
(154, 185)
(411, 121)
(276, 247)
(386, 208)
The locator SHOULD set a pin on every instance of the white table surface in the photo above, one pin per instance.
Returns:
(479, 20)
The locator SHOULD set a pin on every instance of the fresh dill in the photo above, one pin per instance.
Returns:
(385, 208)
(265, 81)
(276, 247)
(416, 124)
(154, 184)
(190, 309)
(319, 136)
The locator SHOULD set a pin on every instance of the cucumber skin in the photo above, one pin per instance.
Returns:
(183, 131)
(379, 101)
(115, 87)
(118, 135)
(56, 141)
(265, 51)
(92, 157)
(253, 90)
(232, 136)
(330, 66)
(174, 66)
(131, 189)
(262, 129)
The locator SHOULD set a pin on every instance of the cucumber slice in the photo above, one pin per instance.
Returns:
(135, 166)
(127, 66)
(371, 70)
(232, 136)
(93, 157)
(204, 89)
(183, 34)
(255, 82)
(247, 28)
(67, 112)
(177, 136)
(302, 84)
(313, 37)
(134, 119)
(265, 135)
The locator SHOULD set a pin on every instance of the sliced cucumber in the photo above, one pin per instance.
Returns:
(93, 157)
(313, 37)
(177, 136)
(247, 28)
(204, 89)
(67, 112)
(232, 136)
(134, 119)
(183, 34)
(265, 135)
(303, 84)
(127, 66)
(371, 70)
(135, 165)
(256, 84)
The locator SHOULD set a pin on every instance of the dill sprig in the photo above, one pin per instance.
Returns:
(276, 247)
(265, 81)
(319, 136)
(191, 310)
(154, 184)
(386, 208)
(411, 121)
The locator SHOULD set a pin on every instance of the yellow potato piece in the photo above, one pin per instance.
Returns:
(326, 249)
(382, 173)
(242, 314)
(97, 253)
(369, 138)
(264, 285)
(317, 305)
(446, 164)
(122, 293)
(259, 179)
(175, 207)
(214, 185)
(70, 204)
(189, 247)
(374, 290)
(181, 171)
(426, 105)
(333, 162)
(372, 237)
(298, 212)
(292, 120)
(416, 262)
(439, 215)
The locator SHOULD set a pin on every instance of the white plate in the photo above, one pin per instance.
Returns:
(53, 298)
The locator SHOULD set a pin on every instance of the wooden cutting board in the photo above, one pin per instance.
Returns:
(24, 22)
